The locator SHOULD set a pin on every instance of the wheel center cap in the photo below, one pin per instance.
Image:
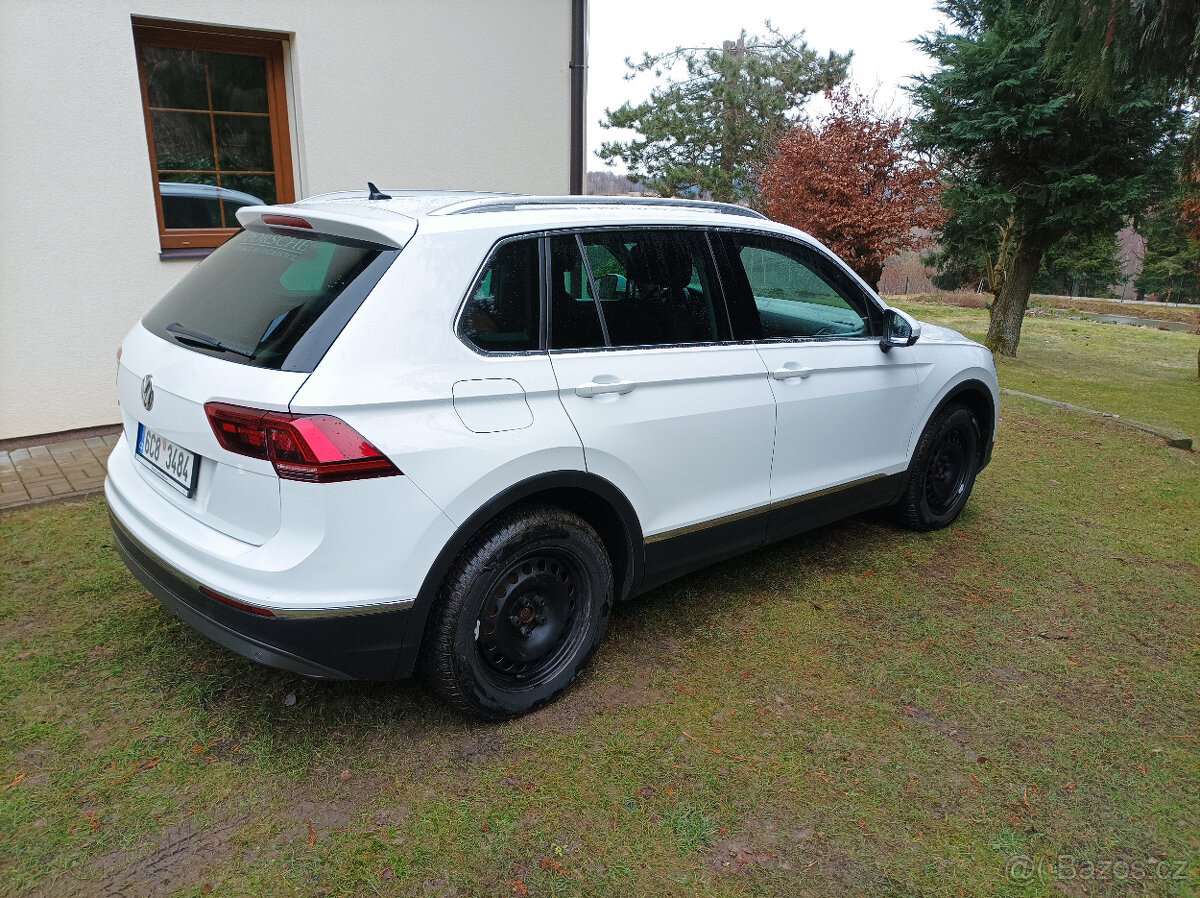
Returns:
(526, 614)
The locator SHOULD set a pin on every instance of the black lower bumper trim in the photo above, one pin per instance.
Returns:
(358, 647)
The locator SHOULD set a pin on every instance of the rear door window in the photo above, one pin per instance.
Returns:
(574, 315)
(656, 287)
(270, 300)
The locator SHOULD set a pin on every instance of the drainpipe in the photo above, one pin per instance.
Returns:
(578, 66)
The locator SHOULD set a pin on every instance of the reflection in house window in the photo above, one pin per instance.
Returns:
(216, 126)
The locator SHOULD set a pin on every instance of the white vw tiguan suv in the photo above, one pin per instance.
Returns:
(444, 432)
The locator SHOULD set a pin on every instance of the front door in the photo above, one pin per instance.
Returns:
(845, 408)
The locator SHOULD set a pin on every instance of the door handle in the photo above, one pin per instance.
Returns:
(788, 371)
(599, 387)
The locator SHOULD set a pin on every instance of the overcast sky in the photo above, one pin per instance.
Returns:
(878, 31)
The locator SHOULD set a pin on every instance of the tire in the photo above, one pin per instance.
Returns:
(519, 615)
(943, 470)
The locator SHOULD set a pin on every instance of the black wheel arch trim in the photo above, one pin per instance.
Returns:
(981, 399)
(626, 581)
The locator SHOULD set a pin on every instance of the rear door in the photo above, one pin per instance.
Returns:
(669, 408)
(245, 327)
(845, 408)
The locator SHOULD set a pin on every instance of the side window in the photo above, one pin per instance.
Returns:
(656, 287)
(574, 319)
(796, 293)
(503, 312)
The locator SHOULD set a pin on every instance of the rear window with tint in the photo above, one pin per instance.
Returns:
(269, 300)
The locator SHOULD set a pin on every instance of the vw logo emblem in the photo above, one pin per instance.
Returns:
(148, 392)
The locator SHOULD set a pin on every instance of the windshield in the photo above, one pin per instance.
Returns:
(268, 299)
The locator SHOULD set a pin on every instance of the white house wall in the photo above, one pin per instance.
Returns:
(455, 93)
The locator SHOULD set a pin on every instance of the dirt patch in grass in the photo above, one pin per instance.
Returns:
(589, 699)
(948, 731)
(182, 858)
(760, 842)
(23, 629)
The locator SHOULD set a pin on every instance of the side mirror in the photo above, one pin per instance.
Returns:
(899, 329)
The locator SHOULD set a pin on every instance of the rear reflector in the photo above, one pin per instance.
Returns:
(286, 221)
(310, 448)
(234, 603)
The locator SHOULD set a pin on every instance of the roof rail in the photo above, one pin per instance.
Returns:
(512, 204)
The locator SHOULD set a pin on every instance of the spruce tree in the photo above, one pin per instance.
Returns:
(1022, 151)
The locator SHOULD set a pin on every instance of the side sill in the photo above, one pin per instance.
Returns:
(678, 552)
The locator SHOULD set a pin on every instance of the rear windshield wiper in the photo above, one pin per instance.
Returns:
(183, 335)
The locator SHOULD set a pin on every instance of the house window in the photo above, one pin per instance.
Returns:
(216, 124)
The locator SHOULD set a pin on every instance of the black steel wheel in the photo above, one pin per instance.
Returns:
(943, 470)
(519, 615)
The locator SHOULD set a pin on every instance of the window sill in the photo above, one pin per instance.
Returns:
(195, 252)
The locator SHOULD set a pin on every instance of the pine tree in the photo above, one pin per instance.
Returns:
(711, 132)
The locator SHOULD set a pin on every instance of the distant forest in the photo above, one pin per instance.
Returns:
(606, 183)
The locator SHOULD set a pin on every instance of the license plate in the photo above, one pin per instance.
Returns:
(173, 463)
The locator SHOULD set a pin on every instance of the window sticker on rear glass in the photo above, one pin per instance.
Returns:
(290, 248)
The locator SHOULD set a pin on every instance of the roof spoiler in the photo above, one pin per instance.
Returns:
(394, 232)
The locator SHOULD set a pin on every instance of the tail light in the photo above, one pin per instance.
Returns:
(311, 448)
(287, 221)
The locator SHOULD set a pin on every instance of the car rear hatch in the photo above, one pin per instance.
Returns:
(243, 329)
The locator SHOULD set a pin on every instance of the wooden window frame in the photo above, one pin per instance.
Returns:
(184, 36)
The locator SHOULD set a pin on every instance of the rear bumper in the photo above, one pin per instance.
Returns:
(356, 647)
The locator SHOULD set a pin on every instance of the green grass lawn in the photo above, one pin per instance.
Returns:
(859, 711)
(1148, 375)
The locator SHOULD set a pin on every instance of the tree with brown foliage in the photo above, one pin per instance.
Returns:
(852, 181)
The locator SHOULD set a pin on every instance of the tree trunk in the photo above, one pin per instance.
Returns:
(871, 273)
(1008, 311)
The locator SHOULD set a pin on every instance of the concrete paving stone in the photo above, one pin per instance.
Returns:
(18, 454)
(41, 481)
(44, 487)
(67, 447)
(83, 473)
(3, 456)
(39, 452)
(33, 464)
(38, 491)
(66, 458)
(61, 488)
(94, 442)
(111, 439)
(33, 475)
